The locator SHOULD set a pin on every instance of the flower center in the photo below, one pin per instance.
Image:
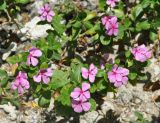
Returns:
(81, 92)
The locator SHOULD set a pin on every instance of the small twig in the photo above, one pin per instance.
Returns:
(8, 15)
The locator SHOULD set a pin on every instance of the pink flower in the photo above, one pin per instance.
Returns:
(106, 20)
(112, 28)
(91, 73)
(34, 53)
(21, 83)
(118, 76)
(44, 75)
(79, 105)
(111, 3)
(141, 53)
(46, 13)
(83, 94)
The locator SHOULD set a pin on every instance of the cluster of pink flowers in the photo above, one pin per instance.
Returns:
(44, 75)
(118, 76)
(141, 53)
(111, 3)
(34, 53)
(80, 98)
(111, 25)
(21, 83)
(46, 13)
(90, 73)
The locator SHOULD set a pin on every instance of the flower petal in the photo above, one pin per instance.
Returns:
(91, 78)
(75, 93)
(37, 78)
(85, 86)
(28, 61)
(34, 61)
(84, 73)
(45, 79)
(86, 106)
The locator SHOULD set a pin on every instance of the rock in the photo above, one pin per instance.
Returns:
(34, 31)
(33, 116)
(9, 50)
(51, 105)
(11, 110)
(90, 117)
(124, 96)
(84, 4)
(154, 70)
(107, 105)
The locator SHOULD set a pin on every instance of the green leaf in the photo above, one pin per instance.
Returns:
(139, 115)
(88, 24)
(121, 31)
(98, 86)
(93, 88)
(44, 65)
(127, 23)
(22, 1)
(75, 73)
(44, 100)
(90, 16)
(135, 12)
(108, 66)
(102, 4)
(117, 61)
(3, 5)
(119, 13)
(93, 104)
(64, 97)
(93, 30)
(59, 28)
(128, 54)
(146, 3)
(132, 76)
(3, 78)
(52, 43)
(100, 73)
(104, 40)
(59, 79)
(17, 58)
(77, 24)
(56, 55)
(38, 88)
(129, 62)
(101, 85)
(153, 36)
(142, 25)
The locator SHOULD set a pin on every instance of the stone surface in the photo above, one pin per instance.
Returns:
(34, 31)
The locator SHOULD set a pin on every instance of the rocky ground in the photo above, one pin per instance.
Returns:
(115, 108)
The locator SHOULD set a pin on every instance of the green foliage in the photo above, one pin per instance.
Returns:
(3, 5)
(56, 23)
(83, 28)
(44, 99)
(22, 1)
(3, 78)
(142, 26)
(17, 58)
(59, 79)
(140, 117)
(64, 97)
(75, 73)
(93, 104)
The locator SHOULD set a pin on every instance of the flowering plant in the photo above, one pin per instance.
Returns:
(61, 66)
